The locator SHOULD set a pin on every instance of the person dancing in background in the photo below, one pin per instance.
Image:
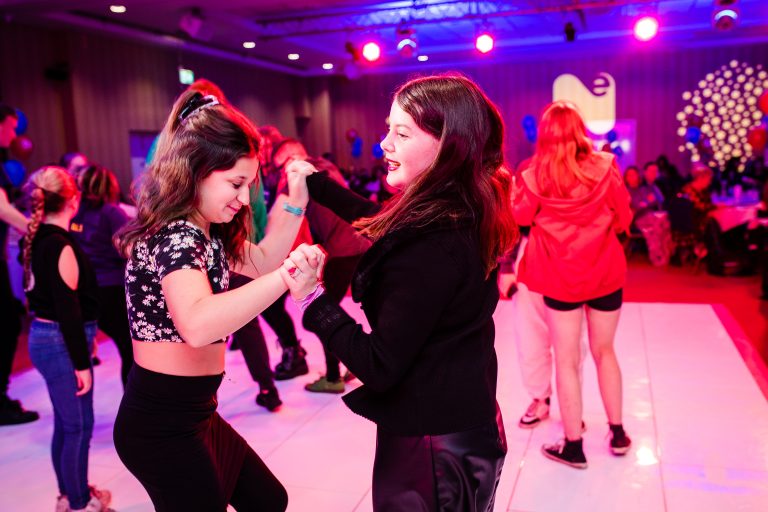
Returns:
(190, 230)
(340, 241)
(575, 201)
(428, 288)
(94, 225)
(61, 288)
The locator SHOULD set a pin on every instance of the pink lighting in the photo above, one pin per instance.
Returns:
(646, 28)
(371, 51)
(484, 43)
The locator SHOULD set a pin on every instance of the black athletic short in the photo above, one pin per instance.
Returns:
(610, 302)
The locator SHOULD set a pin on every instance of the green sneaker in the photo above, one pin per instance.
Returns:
(323, 385)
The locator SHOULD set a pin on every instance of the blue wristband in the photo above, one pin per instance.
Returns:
(295, 210)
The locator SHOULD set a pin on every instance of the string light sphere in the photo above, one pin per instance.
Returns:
(722, 111)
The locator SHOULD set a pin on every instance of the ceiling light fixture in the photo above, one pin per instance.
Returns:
(117, 9)
(249, 45)
(371, 51)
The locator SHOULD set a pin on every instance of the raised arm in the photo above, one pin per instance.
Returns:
(282, 227)
(345, 203)
(10, 215)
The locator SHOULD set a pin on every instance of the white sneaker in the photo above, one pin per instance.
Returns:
(99, 502)
(537, 412)
(62, 504)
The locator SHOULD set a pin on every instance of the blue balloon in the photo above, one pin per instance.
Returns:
(693, 134)
(529, 122)
(23, 124)
(530, 136)
(357, 147)
(617, 151)
(15, 172)
(611, 136)
(376, 151)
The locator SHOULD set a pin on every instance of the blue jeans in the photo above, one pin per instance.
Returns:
(73, 415)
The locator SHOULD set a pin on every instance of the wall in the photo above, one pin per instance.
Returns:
(117, 86)
(649, 88)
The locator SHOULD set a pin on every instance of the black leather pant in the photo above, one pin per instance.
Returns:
(456, 472)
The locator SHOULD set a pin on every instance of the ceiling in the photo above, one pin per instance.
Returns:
(320, 30)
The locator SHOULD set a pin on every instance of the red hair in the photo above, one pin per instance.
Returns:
(561, 146)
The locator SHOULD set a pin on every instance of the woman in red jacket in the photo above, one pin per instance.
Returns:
(575, 201)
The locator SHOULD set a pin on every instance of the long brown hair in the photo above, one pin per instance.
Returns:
(47, 191)
(201, 135)
(468, 178)
(561, 146)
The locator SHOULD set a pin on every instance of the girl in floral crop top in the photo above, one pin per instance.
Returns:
(189, 232)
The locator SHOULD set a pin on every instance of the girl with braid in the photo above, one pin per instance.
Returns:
(61, 289)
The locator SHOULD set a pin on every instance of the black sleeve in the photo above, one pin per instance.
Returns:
(345, 203)
(420, 280)
(66, 303)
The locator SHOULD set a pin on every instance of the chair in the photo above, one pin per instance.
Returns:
(683, 227)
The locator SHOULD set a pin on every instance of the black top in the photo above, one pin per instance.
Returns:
(429, 365)
(51, 299)
(7, 186)
(93, 227)
(179, 245)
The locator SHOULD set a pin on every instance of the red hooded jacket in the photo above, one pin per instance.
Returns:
(573, 254)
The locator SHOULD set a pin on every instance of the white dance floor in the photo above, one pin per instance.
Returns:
(698, 420)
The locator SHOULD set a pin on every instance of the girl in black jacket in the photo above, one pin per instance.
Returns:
(428, 289)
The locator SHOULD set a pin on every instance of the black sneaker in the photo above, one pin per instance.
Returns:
(292, 364)
(269, 399)
(12, 413)
(570, 453)
(620, 442)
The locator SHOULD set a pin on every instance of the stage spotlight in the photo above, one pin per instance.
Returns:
(646, 28)
(484, 43)
(570, 32)
(726, 15)
(371, 51)
(406, 42)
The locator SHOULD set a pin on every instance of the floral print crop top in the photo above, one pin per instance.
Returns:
(179, 245)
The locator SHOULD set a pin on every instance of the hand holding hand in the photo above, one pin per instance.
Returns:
(303, 270)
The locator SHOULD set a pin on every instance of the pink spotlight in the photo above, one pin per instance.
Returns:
(371, 51)
(646, 28)
(484, 43)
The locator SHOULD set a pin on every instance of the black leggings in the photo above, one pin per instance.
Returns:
(113, 321)
(337, 275)
(11, 312)
(170, 437)
(610, 302)
(250, 339)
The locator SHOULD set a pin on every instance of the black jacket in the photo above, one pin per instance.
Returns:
(428, 365)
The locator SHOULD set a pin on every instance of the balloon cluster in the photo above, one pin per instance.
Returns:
(758, 136)
(355, 141)
(21, 147)
(529, 127)
(356, 144)
(613, 143)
